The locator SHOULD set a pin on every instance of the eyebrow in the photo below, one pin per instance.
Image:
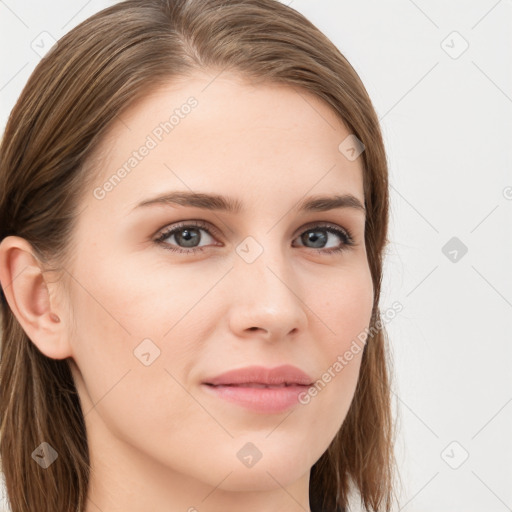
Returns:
(218, 202)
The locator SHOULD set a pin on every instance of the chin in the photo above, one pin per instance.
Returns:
(261, 478)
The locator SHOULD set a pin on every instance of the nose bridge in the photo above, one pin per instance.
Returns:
(264, 263)
(266, 292)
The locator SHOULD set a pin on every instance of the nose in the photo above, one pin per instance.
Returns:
(267, 300)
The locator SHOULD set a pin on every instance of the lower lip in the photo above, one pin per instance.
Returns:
(265, 400)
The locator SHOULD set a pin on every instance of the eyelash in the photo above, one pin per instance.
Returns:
(344, 234)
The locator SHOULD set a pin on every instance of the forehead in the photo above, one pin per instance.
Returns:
(227, 133)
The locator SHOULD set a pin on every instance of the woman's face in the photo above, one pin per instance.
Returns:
(149, 326)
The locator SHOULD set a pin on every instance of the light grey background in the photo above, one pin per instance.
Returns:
(447, 122)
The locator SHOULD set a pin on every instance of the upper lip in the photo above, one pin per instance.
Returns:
(284, 374)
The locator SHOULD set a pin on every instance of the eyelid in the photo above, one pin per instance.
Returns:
(323, 224)
(186, 223)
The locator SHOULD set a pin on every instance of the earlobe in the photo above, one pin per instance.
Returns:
(28, 296)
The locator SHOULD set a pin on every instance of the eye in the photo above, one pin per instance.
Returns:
(319, 236)
(187, 236)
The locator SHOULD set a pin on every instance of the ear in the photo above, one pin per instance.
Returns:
(26, 290)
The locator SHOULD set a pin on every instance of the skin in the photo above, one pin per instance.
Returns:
(157, 440)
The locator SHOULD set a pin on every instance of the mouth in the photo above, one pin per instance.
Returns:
(260, 389)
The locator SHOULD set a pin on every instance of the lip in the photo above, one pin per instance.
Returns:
(265, 390)
(284, 374)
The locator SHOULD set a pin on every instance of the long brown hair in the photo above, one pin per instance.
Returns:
(98, 69)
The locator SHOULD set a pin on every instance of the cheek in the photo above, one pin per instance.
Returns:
(134, 298)
(136, 318)
(126, 365)
(343, 309)
(343, 306)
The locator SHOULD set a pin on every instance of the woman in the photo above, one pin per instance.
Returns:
(194, 211)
